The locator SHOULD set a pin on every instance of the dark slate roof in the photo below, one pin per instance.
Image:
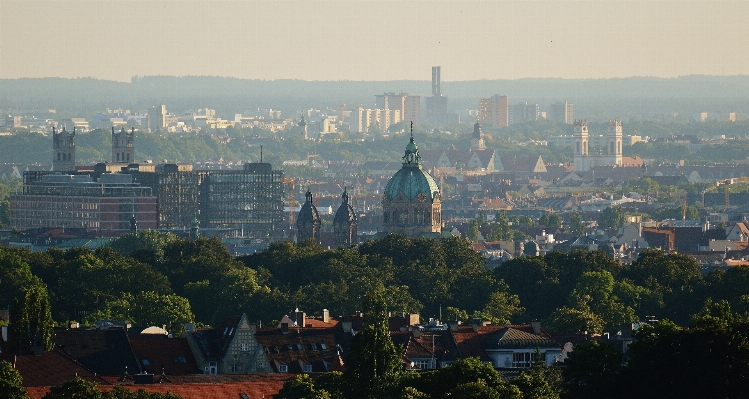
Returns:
(300, 346)
(173, 354)
(106, 352)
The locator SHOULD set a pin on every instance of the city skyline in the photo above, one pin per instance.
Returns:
(378, 41)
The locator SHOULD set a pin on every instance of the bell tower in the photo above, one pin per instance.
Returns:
(580, 138)
(123, 150)
(63, 151)
(614, 138)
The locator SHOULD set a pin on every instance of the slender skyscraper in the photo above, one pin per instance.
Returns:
(436, 82)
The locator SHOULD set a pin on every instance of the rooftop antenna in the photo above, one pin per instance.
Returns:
(261, 154)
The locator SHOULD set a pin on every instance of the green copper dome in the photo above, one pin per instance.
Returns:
(411, 180)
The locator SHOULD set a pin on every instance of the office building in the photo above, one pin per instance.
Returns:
(106, 206)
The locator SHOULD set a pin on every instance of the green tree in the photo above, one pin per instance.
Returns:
(576, 224)
(374, 363)
(570, 320)
(301, 387)
(473, 230)
(502, 306)
(32, 323)
(148, 308)
(611, 218)
(77, 388)
(591, 370)
(4, 214)
(11, 383)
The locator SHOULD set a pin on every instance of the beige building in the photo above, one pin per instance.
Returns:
(494, 111)
(366, 120)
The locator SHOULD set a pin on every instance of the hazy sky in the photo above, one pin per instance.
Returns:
(373, 40)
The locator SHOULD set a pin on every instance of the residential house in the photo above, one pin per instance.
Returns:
(231, 348)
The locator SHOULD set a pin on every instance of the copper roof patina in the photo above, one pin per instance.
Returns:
(411, 179)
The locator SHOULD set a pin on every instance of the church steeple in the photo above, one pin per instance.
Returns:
(411, 157)
(477, 141)
(303, 125)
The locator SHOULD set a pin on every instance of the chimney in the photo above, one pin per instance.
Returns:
(536, 327)
(189, 326)
(413, 319)
(475, 328)
(346, 326)
(417, 332)
(284, 328)
(454, 326)
(299, 316)
(325, 316)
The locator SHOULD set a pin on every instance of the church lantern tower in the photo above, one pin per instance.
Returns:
(345, 225)
(308, 221)
(63, 151)
(123, 150)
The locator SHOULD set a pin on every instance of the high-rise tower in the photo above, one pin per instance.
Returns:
(63, 151)
(123, 150)
(436, 104)
(436, 81)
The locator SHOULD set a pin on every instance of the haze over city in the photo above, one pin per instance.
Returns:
(383, 40)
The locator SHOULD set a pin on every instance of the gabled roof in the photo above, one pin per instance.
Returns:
(52, 368)
(438, 344)
(106, 352)
(299, 347)
(173, 354)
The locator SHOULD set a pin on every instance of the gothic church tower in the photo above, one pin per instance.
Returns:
(63, 151)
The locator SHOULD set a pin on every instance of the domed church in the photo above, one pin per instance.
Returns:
(411, 203)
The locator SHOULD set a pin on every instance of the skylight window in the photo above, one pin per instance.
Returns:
(145, 362)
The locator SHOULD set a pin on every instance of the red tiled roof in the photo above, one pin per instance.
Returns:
(254, 386)
(52, 368)
(471, 343)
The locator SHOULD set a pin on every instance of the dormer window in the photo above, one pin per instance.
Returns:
(307, 368)
(283, 368)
